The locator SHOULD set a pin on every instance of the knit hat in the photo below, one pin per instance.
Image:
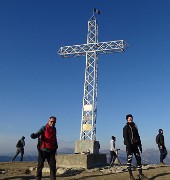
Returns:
(129, 115)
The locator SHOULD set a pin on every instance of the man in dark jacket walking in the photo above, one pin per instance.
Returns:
(133, 145)
(47, 146)
(161, 145)
(20, 148)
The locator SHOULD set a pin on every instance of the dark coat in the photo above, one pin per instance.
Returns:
(131, 135)
(160, 140)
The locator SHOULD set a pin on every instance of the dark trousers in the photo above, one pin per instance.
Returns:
(130, 151)
(163, 154)
(19, 150)
(112, 157)
(50, 156)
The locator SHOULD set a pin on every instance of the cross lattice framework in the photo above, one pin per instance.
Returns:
(91, 50)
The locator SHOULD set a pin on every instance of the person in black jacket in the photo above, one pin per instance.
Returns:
(161, 145)
(20, 148)
(133, 145)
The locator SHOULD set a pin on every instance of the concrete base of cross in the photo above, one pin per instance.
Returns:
(86, 161)
(87, 147)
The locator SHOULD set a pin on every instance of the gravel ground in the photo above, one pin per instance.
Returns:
(20, 171)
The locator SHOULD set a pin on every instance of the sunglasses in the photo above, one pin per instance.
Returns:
(52, 122)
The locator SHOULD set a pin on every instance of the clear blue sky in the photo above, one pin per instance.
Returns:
(35, 82)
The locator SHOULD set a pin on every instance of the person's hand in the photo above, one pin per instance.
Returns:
(32, 136)
(128, 149)
(140, 148)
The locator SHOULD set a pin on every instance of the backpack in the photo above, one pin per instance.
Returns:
(19, 144)
(158, 139)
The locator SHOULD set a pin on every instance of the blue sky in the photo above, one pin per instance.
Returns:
(35, 82)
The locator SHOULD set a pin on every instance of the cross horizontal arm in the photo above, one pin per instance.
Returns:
(100, 48)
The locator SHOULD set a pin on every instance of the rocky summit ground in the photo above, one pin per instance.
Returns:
(27, 170)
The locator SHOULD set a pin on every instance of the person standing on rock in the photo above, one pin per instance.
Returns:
(133, 145)
(112, 151)
(47, 147)
(161, 145)
(20, 148)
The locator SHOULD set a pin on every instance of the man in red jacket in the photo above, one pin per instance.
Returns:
(47, 146)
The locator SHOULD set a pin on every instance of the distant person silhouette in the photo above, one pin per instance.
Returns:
(47, 147)
(161, 145)
(20, 148)
(112, 150)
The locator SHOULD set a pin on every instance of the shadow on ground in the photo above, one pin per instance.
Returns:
(159, 175)
(22, 177)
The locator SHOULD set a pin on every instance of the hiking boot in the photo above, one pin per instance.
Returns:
(142, 177)
(131, 175)
(162, 163)
(132, 178)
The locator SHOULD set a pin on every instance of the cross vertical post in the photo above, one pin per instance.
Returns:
(89, 108)
(91, 50)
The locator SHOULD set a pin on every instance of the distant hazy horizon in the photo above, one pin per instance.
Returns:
(149, 156)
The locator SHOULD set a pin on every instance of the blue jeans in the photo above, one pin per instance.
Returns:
(19, 150)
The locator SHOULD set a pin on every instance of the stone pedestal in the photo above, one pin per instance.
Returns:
(84, 146)
(86, 161)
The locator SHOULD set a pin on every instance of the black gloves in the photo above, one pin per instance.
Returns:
(33, 136)
(140, 148)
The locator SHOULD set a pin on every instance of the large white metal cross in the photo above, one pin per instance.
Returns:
(91, 50)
